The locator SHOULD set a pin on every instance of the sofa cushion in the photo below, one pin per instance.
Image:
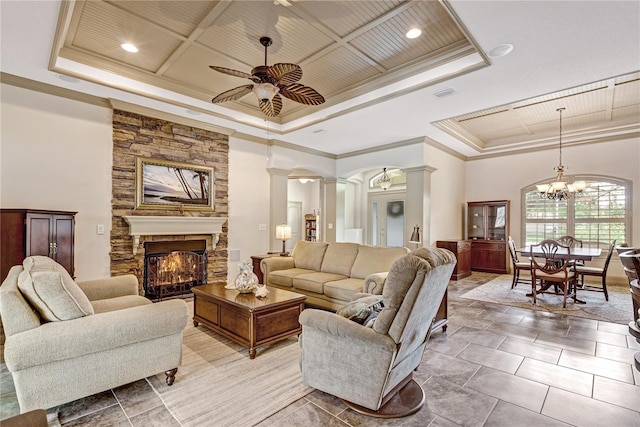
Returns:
(314, 282)
(339, 258)
(309, 255)
(343, 289)
(285, 277)
(118, 303)
(375, 259)
(51, 291)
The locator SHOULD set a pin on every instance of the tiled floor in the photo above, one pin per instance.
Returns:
(494, 366)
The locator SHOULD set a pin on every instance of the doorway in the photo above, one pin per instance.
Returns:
(386, 219)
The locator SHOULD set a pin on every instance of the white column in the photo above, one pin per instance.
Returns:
(329, 213)
(418, 203)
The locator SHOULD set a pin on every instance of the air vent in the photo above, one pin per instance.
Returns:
(444, 92)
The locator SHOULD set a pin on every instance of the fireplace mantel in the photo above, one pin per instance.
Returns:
(172, 225)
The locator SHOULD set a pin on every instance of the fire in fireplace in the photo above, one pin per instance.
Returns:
(172, 268)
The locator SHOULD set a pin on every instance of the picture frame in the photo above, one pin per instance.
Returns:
(164, 184)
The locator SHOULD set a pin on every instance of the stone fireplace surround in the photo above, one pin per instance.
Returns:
(136, 135)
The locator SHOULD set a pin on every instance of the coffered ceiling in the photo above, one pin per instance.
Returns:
(381, 88)
(345, 48)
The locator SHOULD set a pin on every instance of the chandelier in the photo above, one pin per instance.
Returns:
(384, 181)
(560, 189)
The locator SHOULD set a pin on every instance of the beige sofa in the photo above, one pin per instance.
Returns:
(67, 340)
(330, 274)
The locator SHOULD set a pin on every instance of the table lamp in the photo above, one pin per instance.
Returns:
(283, 232)
(415, 236)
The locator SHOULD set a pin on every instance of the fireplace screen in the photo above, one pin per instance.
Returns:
(173, 272)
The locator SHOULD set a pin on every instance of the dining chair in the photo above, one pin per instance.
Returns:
(570, 241)
(583, 270)
(633, 258)
(517, 265)
(627, 262)
(556, 270)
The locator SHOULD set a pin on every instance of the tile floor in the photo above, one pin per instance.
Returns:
(494, 366)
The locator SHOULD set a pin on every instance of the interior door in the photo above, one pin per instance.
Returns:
(294, 219)
(386, 219)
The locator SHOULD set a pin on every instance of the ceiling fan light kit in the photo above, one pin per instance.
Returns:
(269, 82)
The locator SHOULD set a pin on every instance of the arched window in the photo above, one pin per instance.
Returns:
(596, 216)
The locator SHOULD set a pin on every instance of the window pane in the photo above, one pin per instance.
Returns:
(538, 231)
(539, 208)
(599, 234)
(601, 200)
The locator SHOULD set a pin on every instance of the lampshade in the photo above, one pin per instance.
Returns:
(283, 232)
(265, 91)
(415, 236)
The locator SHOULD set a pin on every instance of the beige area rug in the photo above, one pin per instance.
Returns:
(618, 309)
(218, 385)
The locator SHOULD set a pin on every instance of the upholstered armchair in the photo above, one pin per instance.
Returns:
(67, 340)
(367, 365)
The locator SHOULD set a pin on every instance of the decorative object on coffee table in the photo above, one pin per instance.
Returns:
(262, 291)
(246, 281)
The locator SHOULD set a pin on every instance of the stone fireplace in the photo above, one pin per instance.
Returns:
(132, 230)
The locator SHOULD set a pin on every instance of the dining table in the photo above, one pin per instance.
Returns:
(576, 254)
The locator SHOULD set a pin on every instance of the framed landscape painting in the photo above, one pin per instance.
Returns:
(163, 184)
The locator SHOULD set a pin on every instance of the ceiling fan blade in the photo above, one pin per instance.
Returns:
(234, 73)
(285, 73)
(273, 108)
(232, 94)
(301, 93)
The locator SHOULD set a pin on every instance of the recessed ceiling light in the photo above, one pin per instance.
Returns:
(500, 50)
(129, 47)
(319, 131)
(413, 33)
(444, 92)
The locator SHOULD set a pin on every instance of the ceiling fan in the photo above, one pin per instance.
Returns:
(269, 82)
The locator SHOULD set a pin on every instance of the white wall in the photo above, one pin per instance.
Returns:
(248, 200)
(504, 177)
(57, 154)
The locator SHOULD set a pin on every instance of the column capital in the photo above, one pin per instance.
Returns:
(278, 171)
(424, 168)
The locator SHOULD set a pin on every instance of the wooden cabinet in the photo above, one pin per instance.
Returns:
(462, 250)
(27, 232)
(488, 229)
(310, 228)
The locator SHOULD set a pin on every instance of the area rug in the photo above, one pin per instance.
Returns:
(618, 309)
(219, 385)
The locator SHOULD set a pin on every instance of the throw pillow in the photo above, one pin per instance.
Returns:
(51, 291)
(362, 310)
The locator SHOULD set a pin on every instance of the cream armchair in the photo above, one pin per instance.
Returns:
(367, 366)
(69, 340)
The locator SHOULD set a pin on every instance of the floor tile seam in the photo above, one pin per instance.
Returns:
(594, 374)
(561, 347)
(557, 387)
(591, 398)
(163, 402)
(121, 407)
(92, 412)
(631, 364)
(330, 414)
(605, 401)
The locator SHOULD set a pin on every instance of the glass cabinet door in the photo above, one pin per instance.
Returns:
(476, 224)
(496, 222)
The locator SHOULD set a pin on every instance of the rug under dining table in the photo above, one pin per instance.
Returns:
(618, 309)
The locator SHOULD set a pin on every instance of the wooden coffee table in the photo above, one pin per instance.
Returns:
(250, 321)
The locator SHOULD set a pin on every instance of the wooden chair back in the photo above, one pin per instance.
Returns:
(570, 241)
(554, 262)
(627, 259)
